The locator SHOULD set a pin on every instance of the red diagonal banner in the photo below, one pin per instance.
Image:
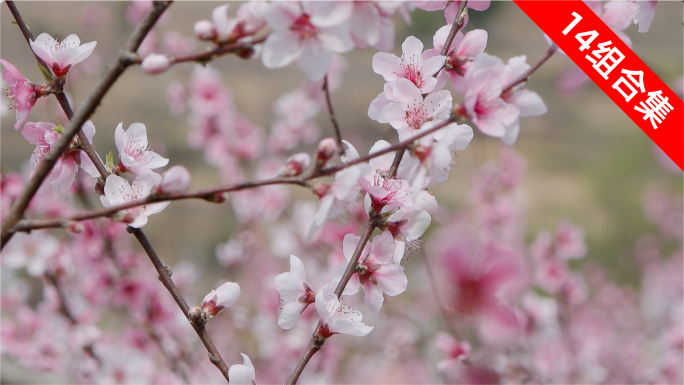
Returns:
(618, 71)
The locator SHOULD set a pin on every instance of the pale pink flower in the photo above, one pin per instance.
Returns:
(250, 20)
(454, 350)
(337, 318)
(433, 154)
(569, 241)
(134, 154)
(117, 191)
(242, 374)
(371, 24)
(645, 14)
(176, 44)
(21, 93)
(175, 180)
(461, 54)
(376, 273)
(387, 192)
(406, 228)
(410, 110)
(225, 296)
(307, 32)
(618, 15)
(31, 251)
(43, 136)
(204, 30)
(482, 101)
(155, 63)
(296, 164)
(60, 56)
(177, 96)
(529, 103)
(294, 292)
(452, 7)
(485, 278)
(410, 66)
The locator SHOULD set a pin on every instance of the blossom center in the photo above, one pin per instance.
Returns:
(304, 27)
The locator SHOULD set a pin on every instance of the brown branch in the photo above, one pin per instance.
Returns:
(20, 205)
(523, 78)
(165, 278)
(458, 24)
(28, 35)
(84, 143)
(213, 53)
(211, 193)
(331, 112)
(67, 313)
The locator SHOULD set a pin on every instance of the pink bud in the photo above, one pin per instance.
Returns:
(326, 150)
(320, 188)
(204, 30)
(225, 296)
(155, 63)
(195, 314)
(296, 164)
(74, 227)
(174, 180)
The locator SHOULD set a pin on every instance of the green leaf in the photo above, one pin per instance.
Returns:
(109, 162)
(14, 22)
(46, 73)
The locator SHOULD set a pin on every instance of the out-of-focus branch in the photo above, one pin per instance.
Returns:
(41, 171)
(331, 112)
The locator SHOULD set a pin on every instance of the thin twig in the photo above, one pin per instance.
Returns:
(64, 309)
(28, 35)
(458, 24)
(41, 171)
(316, 341)
(165, 278)
(331, 112)
(210, 193)
(84, 143)
(526, 75)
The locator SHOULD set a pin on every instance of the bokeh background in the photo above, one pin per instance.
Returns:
(586, 160)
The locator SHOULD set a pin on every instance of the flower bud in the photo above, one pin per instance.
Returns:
(225, 296)
(320, 188)
(195, 315)
(155, 63)
(326, 150)
(74, 227)
(174, 180)
(295, 164)
(204, 30)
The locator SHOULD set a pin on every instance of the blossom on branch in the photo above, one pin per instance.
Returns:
(294, 292)
(410, 66)
(308, 32)
(225, 296)
(20, 92)
(60, 56)
(43, 136)
(134, 154)
(462, 52)
(376, 272)
(117, 191)
(409, 110)
(337, 318)
(242, 374)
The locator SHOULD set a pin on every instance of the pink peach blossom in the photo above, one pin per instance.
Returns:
(60, 56)
(20, 92)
